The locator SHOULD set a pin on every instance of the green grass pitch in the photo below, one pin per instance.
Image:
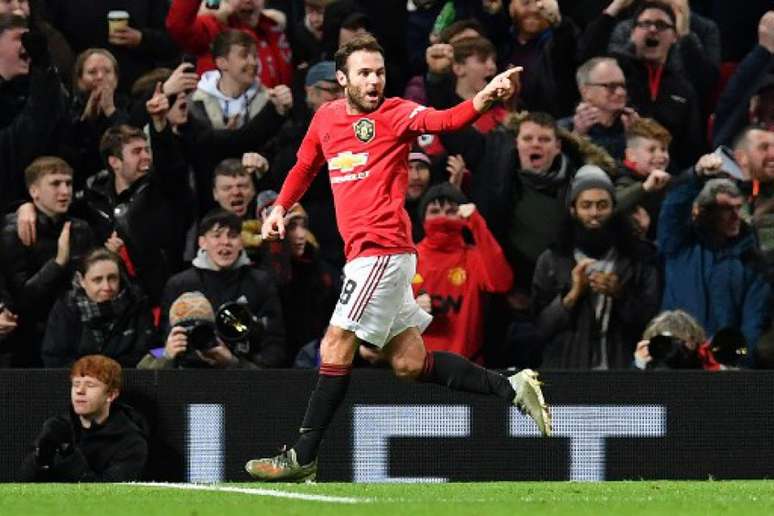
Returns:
(496, 498)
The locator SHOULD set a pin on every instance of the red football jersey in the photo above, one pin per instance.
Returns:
(367, 156)
(456, 276)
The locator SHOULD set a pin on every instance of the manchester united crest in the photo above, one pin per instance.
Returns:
(365, 129)
(457, 276)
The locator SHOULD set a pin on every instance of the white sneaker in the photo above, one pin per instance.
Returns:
(529, 399)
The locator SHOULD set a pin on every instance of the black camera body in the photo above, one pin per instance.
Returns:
(670, 352)
(234, 324)
(200, 334)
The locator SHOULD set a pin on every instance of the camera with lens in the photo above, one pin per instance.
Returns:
(670, 352)
(235, 323)
(200, 335)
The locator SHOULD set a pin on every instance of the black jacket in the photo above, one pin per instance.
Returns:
(128, 335)
(151, 216)
(35, 280)
(548, 82)
(308, 293)
(255, 286)
(30, 109)
(568, 333)
(79, 142)
(115, 451)
(676, 105)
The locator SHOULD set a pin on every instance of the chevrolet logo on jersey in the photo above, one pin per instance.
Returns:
(347, 162)
(365, 129)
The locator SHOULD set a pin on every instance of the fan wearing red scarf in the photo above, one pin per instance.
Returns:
(453, 277)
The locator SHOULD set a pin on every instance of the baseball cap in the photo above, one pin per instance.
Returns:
(322, 71)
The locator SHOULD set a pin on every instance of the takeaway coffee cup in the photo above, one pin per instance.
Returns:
(117, 20)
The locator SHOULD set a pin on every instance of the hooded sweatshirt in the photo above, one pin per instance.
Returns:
(219, 107)
(114, 451)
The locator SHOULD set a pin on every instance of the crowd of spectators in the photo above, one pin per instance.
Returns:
(618, 212)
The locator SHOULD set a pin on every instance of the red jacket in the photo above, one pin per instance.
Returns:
(456, 276)
(194, 34)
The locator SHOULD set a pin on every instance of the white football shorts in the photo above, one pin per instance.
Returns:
(376, 301)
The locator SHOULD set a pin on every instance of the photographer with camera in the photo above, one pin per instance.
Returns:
(100, 440)
(675, 340)
(711, 263)
(243, 300)
(193, 340)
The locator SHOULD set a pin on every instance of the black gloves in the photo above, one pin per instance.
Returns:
(36, 46)
(56, 437)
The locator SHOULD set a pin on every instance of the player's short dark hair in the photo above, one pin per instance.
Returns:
(460, 26)
(222, 44)
(655, 4)
(10, 21)
(365, 42)
(539, 118)
(222, 218)
(480, 47)
(114, 139)
(230, 167)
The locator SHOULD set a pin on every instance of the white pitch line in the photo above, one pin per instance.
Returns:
(255, 492)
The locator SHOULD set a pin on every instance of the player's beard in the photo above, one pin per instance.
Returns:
(357, 100)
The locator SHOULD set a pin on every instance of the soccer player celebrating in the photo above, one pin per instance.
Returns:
(365, 140)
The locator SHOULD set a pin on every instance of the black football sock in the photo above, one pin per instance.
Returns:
(328, 394)
(458, 373)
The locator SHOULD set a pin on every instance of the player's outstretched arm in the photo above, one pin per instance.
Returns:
(501, 87)
(423, 120)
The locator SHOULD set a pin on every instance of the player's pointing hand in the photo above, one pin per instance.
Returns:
(273, 227)
(501, 87)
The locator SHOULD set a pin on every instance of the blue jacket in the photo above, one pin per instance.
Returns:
(720, 286)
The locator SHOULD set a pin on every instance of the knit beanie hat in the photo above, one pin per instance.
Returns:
(588, 177)
(265, 199)
(440, 191)
(189, 307)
